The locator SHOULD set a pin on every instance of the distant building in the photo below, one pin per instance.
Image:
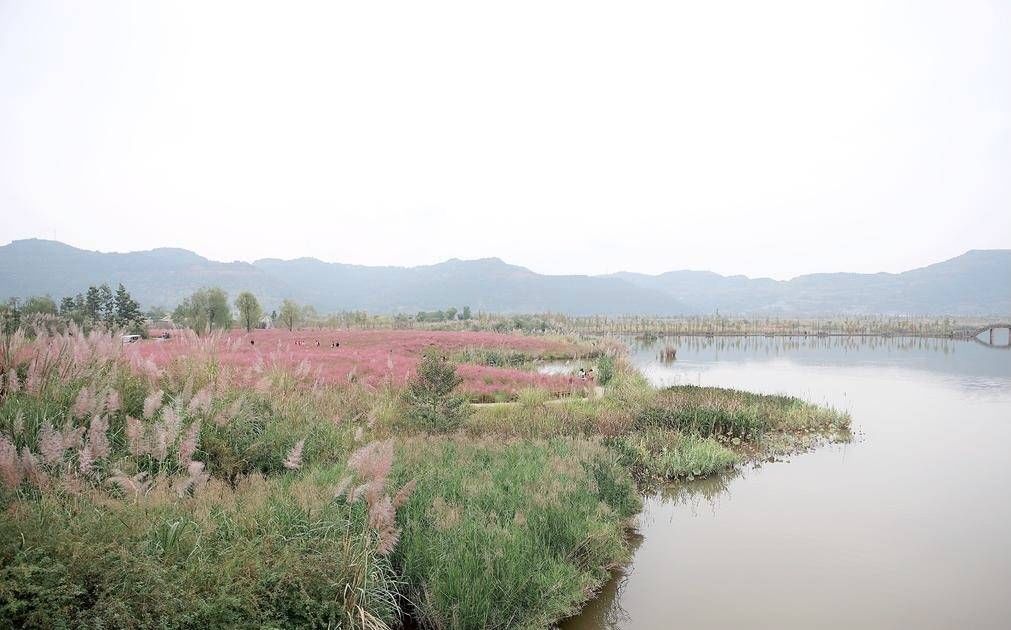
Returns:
(165, 323)
(266, 323)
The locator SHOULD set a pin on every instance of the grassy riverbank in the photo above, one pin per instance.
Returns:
(673, 433)
(197, 491)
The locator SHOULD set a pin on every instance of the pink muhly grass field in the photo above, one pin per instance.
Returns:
(371, 356)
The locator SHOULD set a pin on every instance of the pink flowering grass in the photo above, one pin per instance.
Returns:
(103, 445)
(372, 357)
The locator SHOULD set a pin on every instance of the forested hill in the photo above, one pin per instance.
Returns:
(975, 283)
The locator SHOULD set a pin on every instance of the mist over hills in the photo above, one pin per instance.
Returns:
(975, 283)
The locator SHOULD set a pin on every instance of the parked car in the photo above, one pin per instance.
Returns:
(130, 338)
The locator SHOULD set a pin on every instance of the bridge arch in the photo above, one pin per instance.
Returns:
(991, 328)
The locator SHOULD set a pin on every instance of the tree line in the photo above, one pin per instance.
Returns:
(449, 314)
(98, 306)
(204, 310)
(208, 309)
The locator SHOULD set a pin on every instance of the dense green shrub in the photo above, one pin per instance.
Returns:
(254, 440)
(432, 403)
(605, 369)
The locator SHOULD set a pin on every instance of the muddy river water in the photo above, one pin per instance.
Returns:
(908, 526)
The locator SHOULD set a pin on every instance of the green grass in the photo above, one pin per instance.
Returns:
(268, 553)
(514, 520)
(665, 455)
(514, 534)
(731, 412)
(495, 357)
(534, 417)
(257, 545)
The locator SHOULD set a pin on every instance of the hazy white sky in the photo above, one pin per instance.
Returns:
(764, 138)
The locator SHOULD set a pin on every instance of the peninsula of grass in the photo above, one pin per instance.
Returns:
(675, 433)
(213, 482)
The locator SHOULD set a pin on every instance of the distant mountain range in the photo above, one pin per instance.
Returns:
(975, 283)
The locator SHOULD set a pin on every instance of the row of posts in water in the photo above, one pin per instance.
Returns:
(946, 327)
(701, 325)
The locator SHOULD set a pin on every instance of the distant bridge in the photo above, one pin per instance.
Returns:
(989, 328)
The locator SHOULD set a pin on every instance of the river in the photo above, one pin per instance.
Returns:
(908, 526)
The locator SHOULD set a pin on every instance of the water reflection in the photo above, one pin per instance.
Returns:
(668, 353)
(564, 368)
(698, 493)
(907, 526)
(779, 344)
(605, 610)
(939, 356)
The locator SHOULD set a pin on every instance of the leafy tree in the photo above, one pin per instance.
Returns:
(431, 401)
(39, 305)
(401, 320)
(128, 313)
(465, 313)
(190, 313)
(433, 316)
(309, 314)
(10, 316)
(206, 309)
(98, 306)
(451, 313)
(67, 306)
(290, 314)
(93, 304)
(219, 315)
(75, 309)
(249, 310)
(107, 305)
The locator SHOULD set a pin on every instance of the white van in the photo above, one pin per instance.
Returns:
(130, 338)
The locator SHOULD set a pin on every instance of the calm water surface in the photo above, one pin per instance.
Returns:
(909, 526)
